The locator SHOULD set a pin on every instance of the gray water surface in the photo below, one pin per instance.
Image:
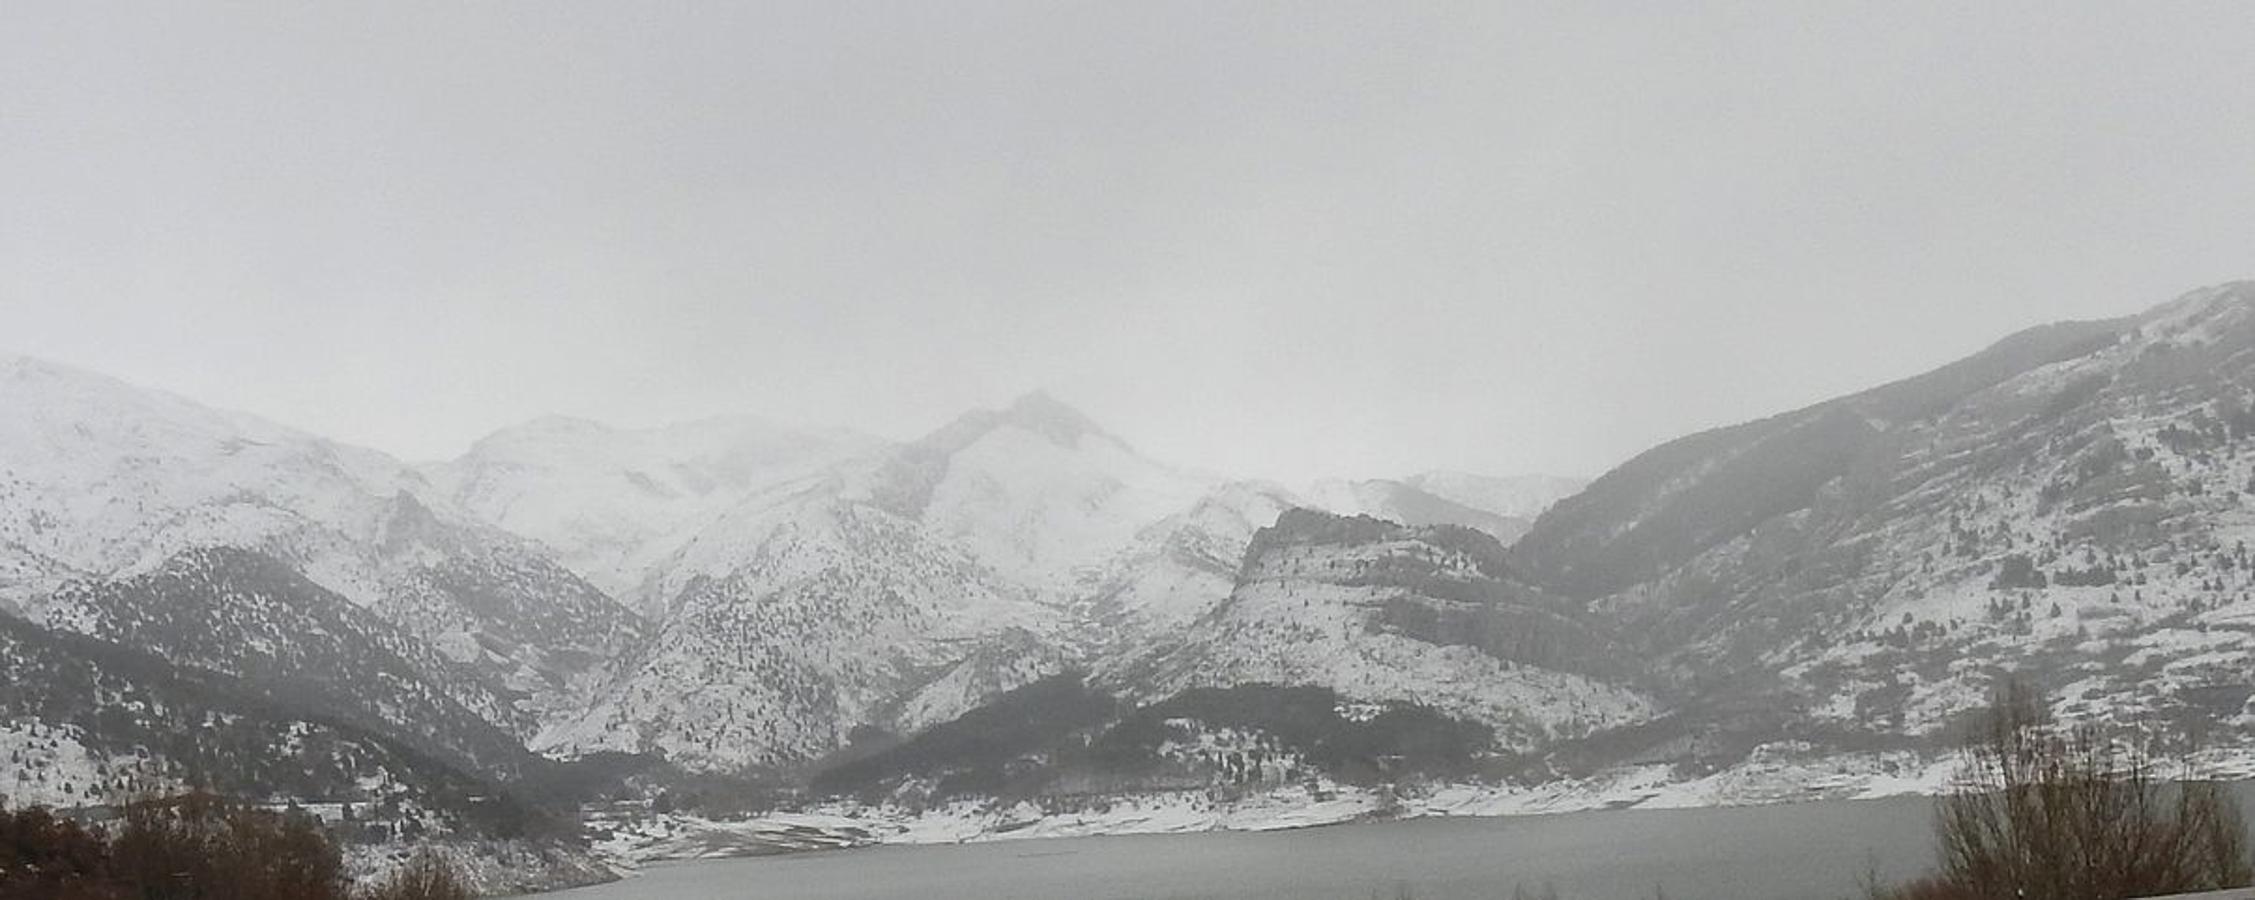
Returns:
(1791, 852)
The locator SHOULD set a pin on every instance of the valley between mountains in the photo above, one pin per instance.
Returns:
(578, 646)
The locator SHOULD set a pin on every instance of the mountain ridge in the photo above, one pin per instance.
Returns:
(2070, 503)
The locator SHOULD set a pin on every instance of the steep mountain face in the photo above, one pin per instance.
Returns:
(101, 480)
(1387, 613)
(247, 616)
(838, 616)
(2068, 506)
(1177, 570)
(530, 631)
(610, 503)
(1659, 511)
(890, 592)
(86, 722)
(1036, 491)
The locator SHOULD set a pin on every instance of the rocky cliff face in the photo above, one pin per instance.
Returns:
(1381, 612)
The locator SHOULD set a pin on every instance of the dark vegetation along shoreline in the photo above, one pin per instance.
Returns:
(1060, 736)
(198, 846)
(2055, 811)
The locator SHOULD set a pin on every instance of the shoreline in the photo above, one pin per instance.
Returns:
(1774, 775)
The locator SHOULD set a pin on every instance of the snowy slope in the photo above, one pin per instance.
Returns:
(246, 616)
(898, 589)
(889, 591)
(1035, 491)
(2068, 507)
(1381, 612)
(902, 587)
(1181, 566)
(839, 615)
(802, 585)
(85, 722)
(102, 480)
(610, 503)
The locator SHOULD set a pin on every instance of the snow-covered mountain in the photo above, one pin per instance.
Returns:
(1176, 570)
(249, 617)
(898, 588)
(102, 480)
(839, 616)
(890, 592)
(87, 722)
(2069, 506)
(1035, 491)
(1382, 612)
(611, 503)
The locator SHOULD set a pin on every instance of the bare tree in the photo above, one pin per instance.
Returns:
(426, 876)
(2072, 813)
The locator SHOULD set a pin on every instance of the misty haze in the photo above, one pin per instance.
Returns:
(1137, 451)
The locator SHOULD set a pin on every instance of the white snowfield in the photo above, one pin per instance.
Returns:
(100, 478)
(613, 503)
(103, 480)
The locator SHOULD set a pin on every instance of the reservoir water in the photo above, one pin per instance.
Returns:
(1787, 852)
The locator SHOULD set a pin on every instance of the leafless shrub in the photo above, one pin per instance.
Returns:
(427, 876)
(196, 847)
(2075, 814)
(200, 845)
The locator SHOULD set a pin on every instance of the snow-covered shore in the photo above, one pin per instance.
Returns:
(1775, 774)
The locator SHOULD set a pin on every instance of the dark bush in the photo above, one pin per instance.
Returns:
(1400, 740)
(972, 754)
(427, 876)
(2017, 571)
(193, 847)
(2073, 814)
(202, 846)
(42, 855)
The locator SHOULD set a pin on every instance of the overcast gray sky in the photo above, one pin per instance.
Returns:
(1282, 239)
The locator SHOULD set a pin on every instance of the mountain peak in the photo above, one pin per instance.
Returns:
(1037, 412)
(551, 426)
